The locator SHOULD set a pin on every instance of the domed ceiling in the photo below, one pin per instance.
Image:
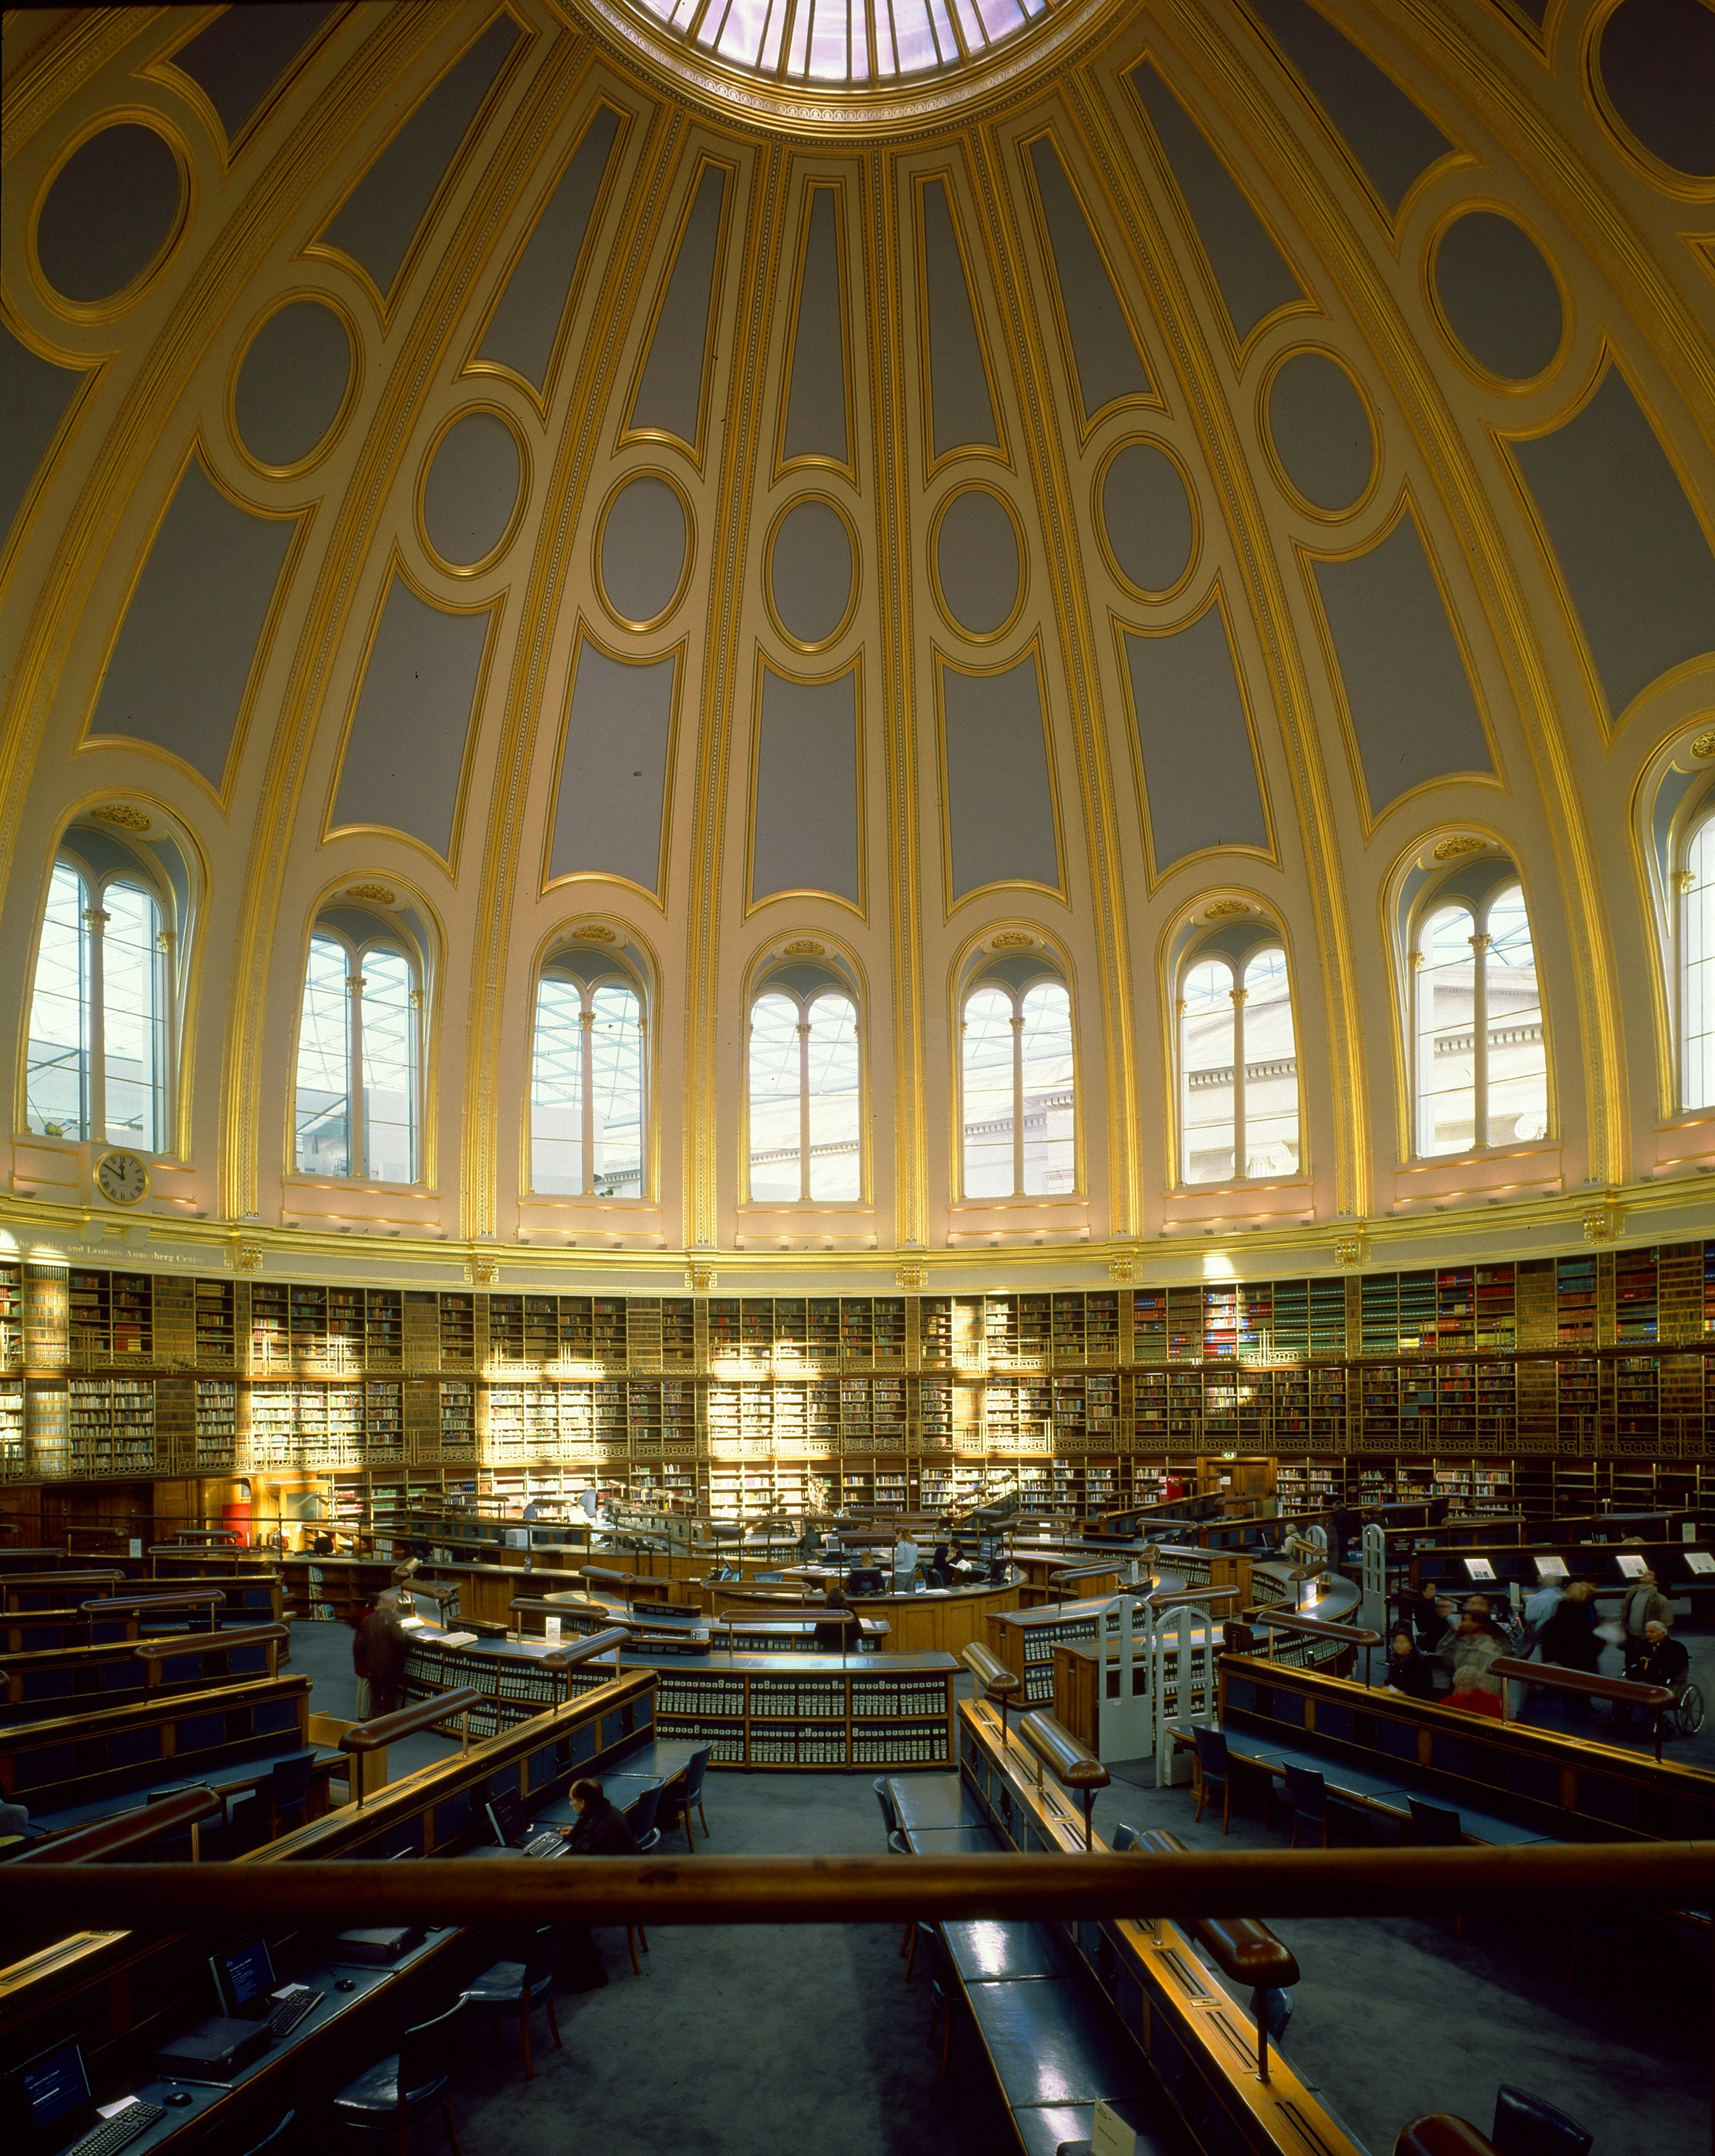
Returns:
(895, 494)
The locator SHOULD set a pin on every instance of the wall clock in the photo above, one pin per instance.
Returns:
(122, 1178)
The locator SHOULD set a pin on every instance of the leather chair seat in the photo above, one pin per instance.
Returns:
(500, 1984)
(375, 2091)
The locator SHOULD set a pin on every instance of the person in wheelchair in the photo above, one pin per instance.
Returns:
(1661, 1659)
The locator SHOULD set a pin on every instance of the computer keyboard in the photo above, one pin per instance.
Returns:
(114, 2132)
(291, 2010)
(550, 1844)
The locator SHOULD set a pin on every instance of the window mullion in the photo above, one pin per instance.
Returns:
(357, 1136)
(1480, 946)
(585, 1088)
(1241, 1150)
(166, 1132)
(1684, 883)
(803, 1111)
(95, 919)
(1017, 1105)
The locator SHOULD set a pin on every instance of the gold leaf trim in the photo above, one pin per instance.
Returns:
(377, 893)
(806, 947)
(1450, 848)
(592, 932)
(122, 814)
(1223, 906)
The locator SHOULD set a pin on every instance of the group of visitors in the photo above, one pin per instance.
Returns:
(1560, 1625)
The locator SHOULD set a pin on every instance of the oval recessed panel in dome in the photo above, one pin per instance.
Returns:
(1146, 513)
(472, 490)
(810, 572)
(292, 383)
(1321, 432)
(643, 550)
(976, 562)
(1657, 58)
(111, 210)
(1498, 295)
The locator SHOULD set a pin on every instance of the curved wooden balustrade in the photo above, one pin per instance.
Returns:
(162, 1597)
(590, 1649)
(1580, 1684)
(152, 1653)
(296, 1895)
(998, 1683)
(132, 1830)
(375, 1736)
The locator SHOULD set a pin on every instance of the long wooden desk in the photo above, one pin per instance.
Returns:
(1191, 2042)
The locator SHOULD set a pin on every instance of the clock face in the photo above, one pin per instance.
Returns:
(122, 1178)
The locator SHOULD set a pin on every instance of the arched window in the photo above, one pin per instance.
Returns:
(805, 1095)
(1481, 1060)
(587, 1102)
(102, 1028)
(357, 1104)
(1695, 881)
(1018, 1084)
(1238, 1059)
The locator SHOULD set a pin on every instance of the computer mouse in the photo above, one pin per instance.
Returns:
(346, 1983)
(177, 2096)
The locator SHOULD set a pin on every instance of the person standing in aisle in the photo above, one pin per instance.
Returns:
(905, 1563)
(1645, 1604)
(1569, 1639)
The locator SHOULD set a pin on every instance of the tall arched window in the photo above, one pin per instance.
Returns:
(1481, 1060)
(102, 1027)
(587, 1100)
(1695, 881)
(1018, 1084)
(357, 1104)
(805, 1095)
(1238, 1060)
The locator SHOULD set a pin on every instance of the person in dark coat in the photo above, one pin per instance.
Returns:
(1422, 1617)
(1570, 1638)
(1409, 1672)
(1661, 1659)
(601, 1829)
(381, 1643)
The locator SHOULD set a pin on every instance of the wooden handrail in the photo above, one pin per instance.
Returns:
(612, 1641)
(1163, 1596)
(174, 1598)
(31, 1583)
(130, 1831)
(157, 1650)
(296, 1896)
(1072, 1760)
(1069, 1572)
(1442, 2133)
(1583, 1684)
(1243, 1950)
(760, 1612)
(1324, 1628)
(385, 1729)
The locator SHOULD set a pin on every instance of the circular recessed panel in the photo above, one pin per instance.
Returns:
(977, 563)
(1657, 58)
(1146, 517)
(1498, 295)
(112, 208)
(810, 573)
(291, 384)
(1321, 433)
(643, 550)
(472, 490)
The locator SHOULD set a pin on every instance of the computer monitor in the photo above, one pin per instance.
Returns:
(243, 1975)
(50, 2099)
(508, 1819)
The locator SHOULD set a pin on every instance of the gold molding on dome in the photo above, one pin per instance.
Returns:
(1131, 400)
(757, 283)
(1099, 521)
(197, 451)
(910, 106)
(594, 932)
(119, 303)
(913, 1277)
(121, 813)
(90, 372)
(999, 450)
(854, 666)
(628, 432)
(494, 609)
(1155, 874)
(475, 367)
(48, 70)
(1223, 907)
(963, 976)
(1352, 1252)
(317, 249)
(378, 894)
(1703, 746)
(1276, 463)
(815, 459)
(1456, 155)
(804, 946)
(1372, 817)
(624, 478)
(943, 665)
(1011, 939)
(1238, 349)
(1044, 434)
(1197, 351)
(1684, 186)
(1447, 849)
(336, 305)
(1612, 723)
(425, 464)
(1491, 383)
(931, 546)
(826, 643)
(161, 69)
(679, 653)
